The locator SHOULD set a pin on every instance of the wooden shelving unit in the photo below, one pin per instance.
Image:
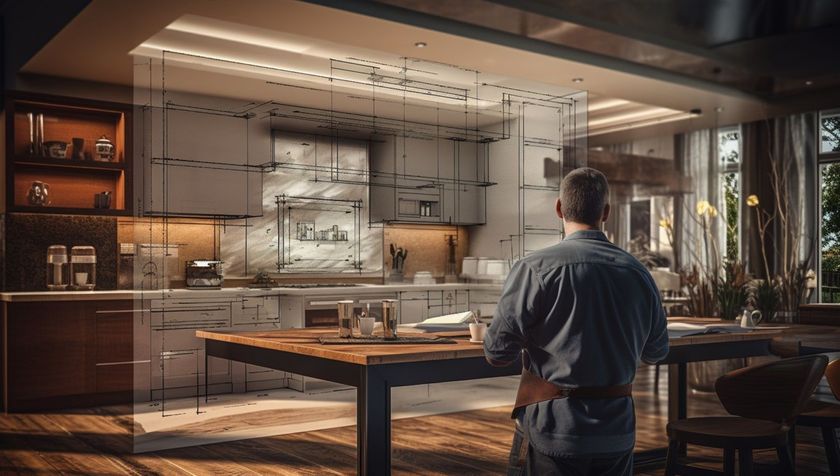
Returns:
(73, 183)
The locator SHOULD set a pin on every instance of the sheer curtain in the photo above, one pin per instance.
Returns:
(697, 159)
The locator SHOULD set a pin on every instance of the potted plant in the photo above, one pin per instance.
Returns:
(764, 296)
(791, 279)
(731, 290)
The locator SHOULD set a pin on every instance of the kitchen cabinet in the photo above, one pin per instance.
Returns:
(422, 180)
(67, 354)
(420, 157)
(73, 183)
(257, 313)
(416, 306)
(210, 166)
(177, 355)
(485, 302)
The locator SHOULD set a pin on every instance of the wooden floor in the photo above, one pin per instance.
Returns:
(98, 441)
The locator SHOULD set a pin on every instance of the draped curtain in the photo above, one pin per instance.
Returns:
(790, 142)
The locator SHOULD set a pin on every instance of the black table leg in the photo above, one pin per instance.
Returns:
(373, 423)
(678, 395)
(677, 392)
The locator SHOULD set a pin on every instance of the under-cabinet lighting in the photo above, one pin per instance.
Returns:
(677, 116)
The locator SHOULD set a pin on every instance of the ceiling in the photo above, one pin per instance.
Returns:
(773, 49)
(658, 103)
(200, 55)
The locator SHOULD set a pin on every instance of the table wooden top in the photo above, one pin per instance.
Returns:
(305, 342)
(822, 336)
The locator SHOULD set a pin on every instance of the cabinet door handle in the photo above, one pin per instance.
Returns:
(103, 364)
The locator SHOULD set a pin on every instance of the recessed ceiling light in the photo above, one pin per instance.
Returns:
(719, 109)
(577, 80)
(809, 82)
(421, 44)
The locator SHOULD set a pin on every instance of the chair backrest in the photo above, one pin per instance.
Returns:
(776, 391)
(785, 347)
(832, 374)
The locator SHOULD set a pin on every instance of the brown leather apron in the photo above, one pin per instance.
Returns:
(534, 389)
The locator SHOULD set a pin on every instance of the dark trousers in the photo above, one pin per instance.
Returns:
(525, 460)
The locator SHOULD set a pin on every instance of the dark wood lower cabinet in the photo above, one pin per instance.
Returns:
(67, 354)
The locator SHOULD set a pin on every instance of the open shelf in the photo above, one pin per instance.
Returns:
(48, 162)
(73, 183)
(70, 210)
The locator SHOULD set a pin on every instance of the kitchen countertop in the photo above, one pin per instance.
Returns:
(48, 296)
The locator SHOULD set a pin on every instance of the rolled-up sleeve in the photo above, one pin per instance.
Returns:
(656, 346)
(518, 309)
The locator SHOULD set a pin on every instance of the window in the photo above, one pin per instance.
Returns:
(729, 154)
(829, 158)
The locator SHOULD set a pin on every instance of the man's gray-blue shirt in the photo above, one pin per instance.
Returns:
(587, 312)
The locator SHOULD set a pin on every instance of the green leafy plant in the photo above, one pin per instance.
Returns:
(731, 290)
(701, 297)
(764, 295)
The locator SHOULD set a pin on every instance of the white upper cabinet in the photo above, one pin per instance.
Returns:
(204, 164)
(427, 180)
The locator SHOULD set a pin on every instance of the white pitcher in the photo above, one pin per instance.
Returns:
(748, 319)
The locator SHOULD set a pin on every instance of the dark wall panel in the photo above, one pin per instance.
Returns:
(29, 235)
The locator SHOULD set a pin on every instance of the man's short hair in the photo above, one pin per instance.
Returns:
(583, 195)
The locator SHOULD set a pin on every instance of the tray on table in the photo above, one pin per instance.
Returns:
(379, 340)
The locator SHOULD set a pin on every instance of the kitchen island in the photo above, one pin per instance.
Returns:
(375, 369)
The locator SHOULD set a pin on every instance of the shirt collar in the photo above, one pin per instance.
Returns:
(587, 235)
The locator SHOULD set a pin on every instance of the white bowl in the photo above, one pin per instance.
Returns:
(469, 266)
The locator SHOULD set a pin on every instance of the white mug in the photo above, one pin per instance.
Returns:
(747, 319)
(81, 279)
(366, 325)
(477, 331)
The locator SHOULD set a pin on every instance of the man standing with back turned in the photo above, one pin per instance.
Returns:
(582, 313)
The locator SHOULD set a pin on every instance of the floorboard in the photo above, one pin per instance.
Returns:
(99, 441)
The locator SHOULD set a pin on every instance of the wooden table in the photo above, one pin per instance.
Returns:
(374, 369)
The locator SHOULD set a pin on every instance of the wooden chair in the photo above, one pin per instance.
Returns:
(764, 401)
(826, 416)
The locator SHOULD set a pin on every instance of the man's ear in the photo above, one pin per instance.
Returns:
(606, 214)
(558, 207)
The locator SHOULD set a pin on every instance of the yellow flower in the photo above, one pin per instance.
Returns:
(665, 223)
(703, 207)
(712, 211)
(752, 201)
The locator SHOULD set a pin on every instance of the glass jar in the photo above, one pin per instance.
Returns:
(58, 269)
(83, 267)
(389, 318)
(345, 318)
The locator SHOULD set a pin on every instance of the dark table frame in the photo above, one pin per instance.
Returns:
(373, 384)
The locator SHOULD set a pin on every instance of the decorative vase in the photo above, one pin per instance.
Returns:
(78, 148)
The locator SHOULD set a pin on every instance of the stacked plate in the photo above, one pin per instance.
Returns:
(424, 277)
